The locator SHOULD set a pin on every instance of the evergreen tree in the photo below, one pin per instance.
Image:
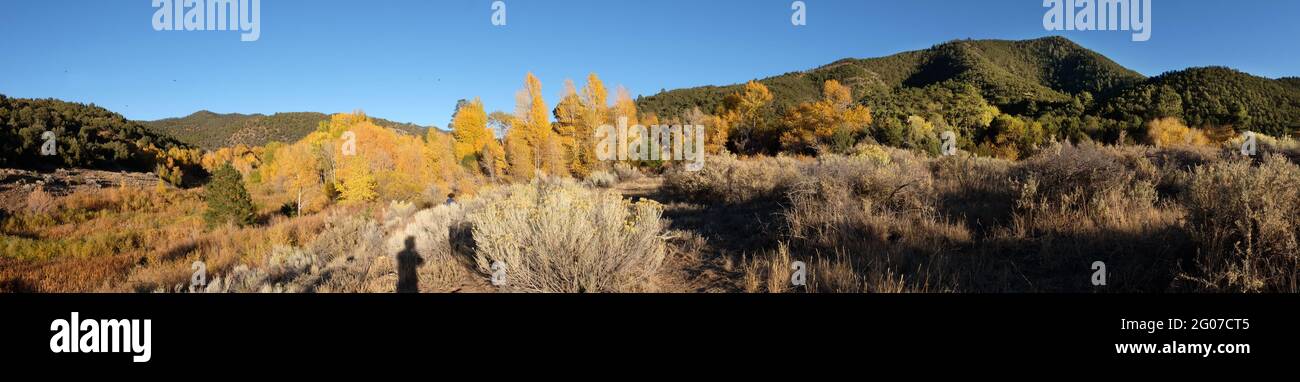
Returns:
(228, 201)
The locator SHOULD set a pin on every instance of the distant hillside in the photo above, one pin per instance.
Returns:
(86, 136)
(1214, 96)
(1006, 73)
(1050, 76)
(211, 130)
(1290, 81)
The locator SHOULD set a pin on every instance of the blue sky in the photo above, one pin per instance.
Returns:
(410, 60)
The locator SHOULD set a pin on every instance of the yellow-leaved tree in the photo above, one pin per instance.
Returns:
(743, 114)
(357, 183)
(625, 110)
(530, 144)
(295, 170)
(833, 121)
(569, 128)
(595, 104)
(379, 163)
(1163, 132)
(475, 145)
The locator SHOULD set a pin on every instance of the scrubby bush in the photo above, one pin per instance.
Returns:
(866, 226)
(556, 236)
(41, 202)
(347, 236)
(627, 173)
(1079, 204)
(602, 179)
(729, 180)
(1243, 219)
(1102, 185)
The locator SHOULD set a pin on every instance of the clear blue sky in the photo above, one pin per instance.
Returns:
(411, 60)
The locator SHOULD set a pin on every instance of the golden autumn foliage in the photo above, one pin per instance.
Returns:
(572, 131)
(385, 164)
(1165, 132)
(1013, 137)
(595, 112)
(357, 184)
(831, 121)
(716, 129)
(397, 161)
(531, 144)
(296, 172)
(749, 101)
(171, 164)
(625, 111)
(742, 115)
(439, 152)
(245, 159)
(596, 99)
(471, 133)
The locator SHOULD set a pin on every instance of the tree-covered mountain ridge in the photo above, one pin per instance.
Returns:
(1031, 78)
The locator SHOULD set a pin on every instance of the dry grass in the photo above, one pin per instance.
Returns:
(91, 240)
(1181, 218)
(1079, 204)
(731, 180)
(1177, 218)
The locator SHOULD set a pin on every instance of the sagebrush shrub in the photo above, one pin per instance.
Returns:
(730, 180)
(41, 202)
(626, 172)
(602, 179)
(879, 221)
(557, 236)
(1105, 185)
(1244, 220)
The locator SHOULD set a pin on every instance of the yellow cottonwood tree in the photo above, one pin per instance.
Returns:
(531, 143)
(1165, 132)
(358, 182)
(743, 113)
(831, 121)
(570, 129)
(625, 108)
(472, 136)
(596, 112)
(397, 163)
(297, 173)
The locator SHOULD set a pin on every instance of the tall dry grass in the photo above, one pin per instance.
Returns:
(1177, 218)
(731, 180)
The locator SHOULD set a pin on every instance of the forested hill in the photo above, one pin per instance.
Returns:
(1213, 96)
(1050, 76)
(211, 130)
(1006, 72)
(84, 136)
